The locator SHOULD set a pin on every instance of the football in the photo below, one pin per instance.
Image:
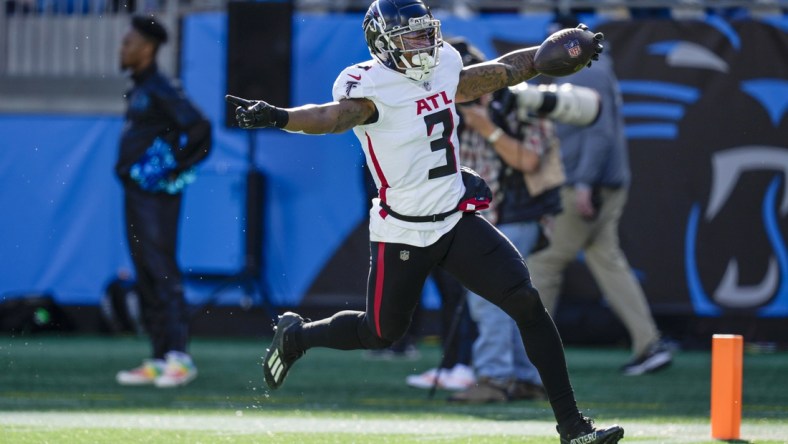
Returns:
(566, 51)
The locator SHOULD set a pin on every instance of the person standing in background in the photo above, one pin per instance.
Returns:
(163, 138)
(597, 167)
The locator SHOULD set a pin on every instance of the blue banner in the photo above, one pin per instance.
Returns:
(705, 227)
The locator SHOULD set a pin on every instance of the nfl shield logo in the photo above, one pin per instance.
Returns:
(404, 255)
(573, 48)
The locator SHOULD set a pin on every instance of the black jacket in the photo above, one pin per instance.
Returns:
(158, 108)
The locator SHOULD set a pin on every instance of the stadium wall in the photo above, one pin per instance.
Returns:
(705, 103)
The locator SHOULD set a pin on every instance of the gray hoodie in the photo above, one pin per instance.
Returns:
(597, 155)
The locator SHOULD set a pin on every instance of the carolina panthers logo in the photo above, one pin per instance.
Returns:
(706, 125)
(727, 168)
(661, 110)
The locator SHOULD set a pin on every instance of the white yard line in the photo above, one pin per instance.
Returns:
(257, 424)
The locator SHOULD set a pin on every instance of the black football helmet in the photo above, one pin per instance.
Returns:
(403, 35)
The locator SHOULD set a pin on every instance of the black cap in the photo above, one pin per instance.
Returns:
(150, 28)
(471, 55)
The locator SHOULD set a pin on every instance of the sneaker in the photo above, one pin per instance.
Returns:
(521, 390)
(142, 375)
(656, 357)
(584, 432)
(424, 380)
(279, 358)
(484, 391)
(179, 370)
(460, 377)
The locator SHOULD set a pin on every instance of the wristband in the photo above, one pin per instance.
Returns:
(495, 135)
(279, 117)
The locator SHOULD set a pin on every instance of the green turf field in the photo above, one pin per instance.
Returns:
(62, 390)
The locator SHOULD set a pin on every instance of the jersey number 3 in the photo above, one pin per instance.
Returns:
(443, 143)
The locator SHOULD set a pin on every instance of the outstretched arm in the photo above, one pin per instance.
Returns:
(333, 117)
(511, 69)
(507, 70)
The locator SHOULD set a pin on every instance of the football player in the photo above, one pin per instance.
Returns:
(401, 106)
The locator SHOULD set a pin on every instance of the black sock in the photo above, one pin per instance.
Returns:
(340, 332)
(546, 351)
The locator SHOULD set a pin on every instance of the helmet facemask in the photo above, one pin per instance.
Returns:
(411, 49)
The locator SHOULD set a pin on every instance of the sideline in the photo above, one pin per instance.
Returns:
(243, 423)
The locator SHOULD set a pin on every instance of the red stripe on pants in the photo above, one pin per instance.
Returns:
(379, 287)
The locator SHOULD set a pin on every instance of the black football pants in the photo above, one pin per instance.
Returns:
(152, 234)
(485, 262)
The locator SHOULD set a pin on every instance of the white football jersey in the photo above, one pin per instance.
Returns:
(412, 149)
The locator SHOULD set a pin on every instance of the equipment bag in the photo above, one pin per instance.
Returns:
(31, 313)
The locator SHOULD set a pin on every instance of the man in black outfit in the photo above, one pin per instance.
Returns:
(163, 138)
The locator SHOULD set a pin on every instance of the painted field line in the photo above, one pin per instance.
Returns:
(240, 423)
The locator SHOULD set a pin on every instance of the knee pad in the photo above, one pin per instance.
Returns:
(523, 304)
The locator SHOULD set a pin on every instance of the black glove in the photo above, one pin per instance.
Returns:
(257, 113)
(598, 37)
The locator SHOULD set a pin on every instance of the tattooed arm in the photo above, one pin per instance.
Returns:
(334, 117)
(507, 70)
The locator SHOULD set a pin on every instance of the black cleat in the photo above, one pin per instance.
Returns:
(279, 356)
(584, 432)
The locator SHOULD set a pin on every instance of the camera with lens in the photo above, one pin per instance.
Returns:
(567, 103)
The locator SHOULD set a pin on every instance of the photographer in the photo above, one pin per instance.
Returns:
(509, 142)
